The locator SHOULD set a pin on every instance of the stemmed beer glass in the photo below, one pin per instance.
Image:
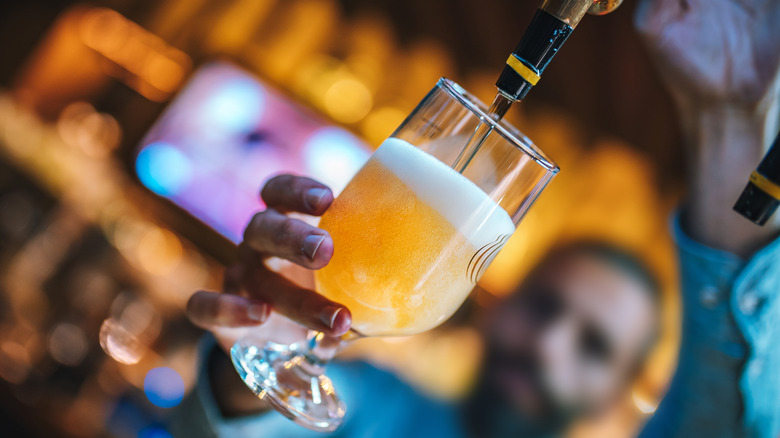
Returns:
(412, 232)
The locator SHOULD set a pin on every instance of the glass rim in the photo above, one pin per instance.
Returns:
(517, 138)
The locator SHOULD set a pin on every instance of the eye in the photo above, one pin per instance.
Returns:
(594, 346)
(543, 305)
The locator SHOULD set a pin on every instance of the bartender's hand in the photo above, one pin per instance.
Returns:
(252, 290)
(720, 59)
(715, 52)
(255, 297)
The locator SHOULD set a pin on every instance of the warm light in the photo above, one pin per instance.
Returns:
(126, 234)
(163, 72)
(68, 344)
(119, 343)
(644, 406)
(381, 123)
(505, 271)
(14, 362)
(126, 335)
(159, 251)
(156, 68)
(94, 133)
(347, 100)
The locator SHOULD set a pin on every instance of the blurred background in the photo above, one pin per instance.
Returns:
(108, 124)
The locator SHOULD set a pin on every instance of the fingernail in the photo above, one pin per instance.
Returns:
(311, 244)
(313, 198)
(257, 312)
(336, 318)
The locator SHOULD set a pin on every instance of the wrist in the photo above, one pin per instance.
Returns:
(732, 125)
(725, 144)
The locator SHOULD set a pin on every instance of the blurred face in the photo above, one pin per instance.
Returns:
(565, 345)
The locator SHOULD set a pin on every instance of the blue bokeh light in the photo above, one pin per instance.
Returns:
(164, 387)
(163, 169)
(334, 156)
(154, 432)
(236, 106)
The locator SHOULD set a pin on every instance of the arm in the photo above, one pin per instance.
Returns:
(726, 140)
(725, 144)
(720, 60)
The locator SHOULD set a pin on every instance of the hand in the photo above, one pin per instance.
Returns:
(715, 52)
(720, 60)
(252, 290)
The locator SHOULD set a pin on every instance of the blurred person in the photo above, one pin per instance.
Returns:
(572, 337)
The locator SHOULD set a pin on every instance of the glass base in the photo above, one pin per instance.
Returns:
(291, 381)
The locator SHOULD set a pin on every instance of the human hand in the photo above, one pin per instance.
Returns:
(720, 60)
(715, 52)
(252, 290)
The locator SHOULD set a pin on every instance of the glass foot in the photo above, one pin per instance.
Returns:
(292, 381)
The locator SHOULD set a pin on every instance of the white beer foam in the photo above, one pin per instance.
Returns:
(453, 195)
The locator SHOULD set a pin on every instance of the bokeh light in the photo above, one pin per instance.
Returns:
(119, 343)
(381, 123)
(164, 387)
(348, 100)
(159, 251)
(643, 404)
(235, 107)
(333, 156)
(154, 432)
(68, 344)
(163, 168)
(14, 362)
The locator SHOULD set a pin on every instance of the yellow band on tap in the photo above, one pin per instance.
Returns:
(769, 187)
(517, 65)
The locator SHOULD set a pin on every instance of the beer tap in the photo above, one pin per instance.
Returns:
(550, 27)
(761, 196)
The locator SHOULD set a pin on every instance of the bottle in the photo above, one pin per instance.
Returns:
(761, 196)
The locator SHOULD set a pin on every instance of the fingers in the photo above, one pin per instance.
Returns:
(652, 16)
(274, 234)
(295, 193)
(304, 306)
(231, 282)
(213, 309)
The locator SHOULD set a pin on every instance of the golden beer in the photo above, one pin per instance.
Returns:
(411, 238)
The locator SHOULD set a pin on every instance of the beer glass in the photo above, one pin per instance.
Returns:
(412, 232)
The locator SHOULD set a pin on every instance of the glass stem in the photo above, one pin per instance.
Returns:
(318, 349)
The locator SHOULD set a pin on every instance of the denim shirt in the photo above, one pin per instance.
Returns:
(378, 405)
(727, 383)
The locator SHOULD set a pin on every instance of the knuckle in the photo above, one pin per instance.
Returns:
(254, 225)
(281, 179)
(273, 185)
(285, 232)
(258, 229)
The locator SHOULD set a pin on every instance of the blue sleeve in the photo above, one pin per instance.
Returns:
(198, 416)
(378, 405)
(727, 382)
